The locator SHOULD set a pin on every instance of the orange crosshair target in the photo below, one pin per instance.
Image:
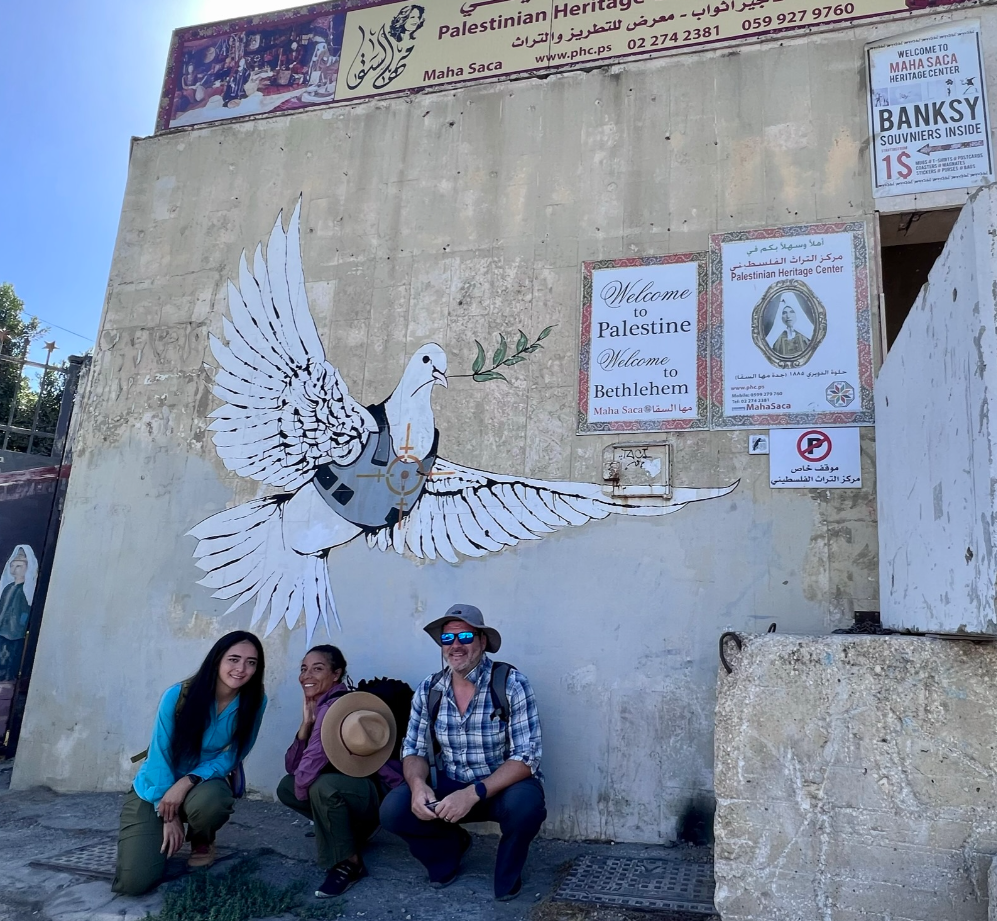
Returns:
(404, 475)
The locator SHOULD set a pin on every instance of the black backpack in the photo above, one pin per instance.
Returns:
(398, 696)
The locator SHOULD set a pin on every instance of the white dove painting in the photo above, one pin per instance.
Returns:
(348, 471)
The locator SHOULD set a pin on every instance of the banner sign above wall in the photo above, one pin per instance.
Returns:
(643, 353)
(928, 112)
(339, 51)
(790, 327)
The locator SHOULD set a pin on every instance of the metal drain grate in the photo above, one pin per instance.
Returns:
(634, 882)
(91, 860)
(98, 861)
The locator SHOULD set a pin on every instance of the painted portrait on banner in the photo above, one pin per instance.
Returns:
(643, 349)
(385, 49)
(348, 471)
(790, 327)
(789, 323)
(255, 69)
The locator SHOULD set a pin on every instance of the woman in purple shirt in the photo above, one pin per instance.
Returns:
(344, 808)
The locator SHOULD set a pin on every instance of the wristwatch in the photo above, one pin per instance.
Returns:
(480, 789)
(194, 779)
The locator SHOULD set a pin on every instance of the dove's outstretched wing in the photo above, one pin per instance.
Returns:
(467, 512)
(286, 408)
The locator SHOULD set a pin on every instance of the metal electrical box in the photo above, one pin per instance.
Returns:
(637, 468)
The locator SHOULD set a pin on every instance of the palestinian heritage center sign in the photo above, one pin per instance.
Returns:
(643, 345)
(790, 327)
(928, 112)
(347, 50)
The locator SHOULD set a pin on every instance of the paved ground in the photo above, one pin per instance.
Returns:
(36, 824)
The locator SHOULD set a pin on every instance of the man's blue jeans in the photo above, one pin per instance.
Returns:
(519, 810)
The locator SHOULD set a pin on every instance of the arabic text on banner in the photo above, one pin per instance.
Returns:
(928, 112)
(323, 53)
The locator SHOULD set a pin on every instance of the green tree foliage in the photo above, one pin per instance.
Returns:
(25, 391)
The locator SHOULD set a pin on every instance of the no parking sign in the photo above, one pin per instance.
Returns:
(815, 458)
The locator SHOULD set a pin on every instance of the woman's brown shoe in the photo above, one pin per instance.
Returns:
(202, 855)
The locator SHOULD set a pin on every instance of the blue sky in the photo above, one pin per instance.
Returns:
(82, 80)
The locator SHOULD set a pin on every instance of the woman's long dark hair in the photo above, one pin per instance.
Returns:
(397, 29)
(195, 714)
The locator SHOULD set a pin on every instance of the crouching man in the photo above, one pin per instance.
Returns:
(484, 735)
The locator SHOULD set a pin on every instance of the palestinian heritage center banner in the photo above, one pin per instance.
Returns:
(790, 327)
(347, 50)
(642, 365)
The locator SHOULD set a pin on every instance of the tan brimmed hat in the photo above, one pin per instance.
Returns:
(358, 733)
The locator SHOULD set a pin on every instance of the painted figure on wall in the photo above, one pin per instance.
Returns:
(289, 421)
(17, 590)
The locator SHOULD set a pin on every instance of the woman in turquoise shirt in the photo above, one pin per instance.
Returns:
(205, 727)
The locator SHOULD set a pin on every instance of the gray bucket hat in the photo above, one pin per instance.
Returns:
(470, 614)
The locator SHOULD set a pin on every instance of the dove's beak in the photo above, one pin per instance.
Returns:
(439, 377)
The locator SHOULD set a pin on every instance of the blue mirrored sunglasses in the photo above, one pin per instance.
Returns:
(465, 638)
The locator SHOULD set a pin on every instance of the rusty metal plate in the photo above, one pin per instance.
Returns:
(644, 883)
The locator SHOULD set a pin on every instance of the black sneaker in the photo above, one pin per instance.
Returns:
(465, 846)
(340, 878)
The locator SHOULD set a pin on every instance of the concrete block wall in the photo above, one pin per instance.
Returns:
(856, 778)
(938, 505)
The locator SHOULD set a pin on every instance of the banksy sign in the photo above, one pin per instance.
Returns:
(643, 345)
(790, 327)
(928, 112)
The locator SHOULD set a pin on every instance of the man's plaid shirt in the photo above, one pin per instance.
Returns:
(473, 746)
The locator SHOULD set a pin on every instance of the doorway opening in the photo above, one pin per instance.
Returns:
(910, 243)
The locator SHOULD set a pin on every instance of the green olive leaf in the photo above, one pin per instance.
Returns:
(545, 333)
(522, 341)
(490, 376)
(479, 362)
(515, 360)
(500, 352)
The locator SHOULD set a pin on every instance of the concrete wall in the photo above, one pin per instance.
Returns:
(456, 216)
(937, 506)
(856, 778)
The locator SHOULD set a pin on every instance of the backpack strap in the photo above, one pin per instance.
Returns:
(500, 709)
(497, 686)
(181, 700)
(433, 698)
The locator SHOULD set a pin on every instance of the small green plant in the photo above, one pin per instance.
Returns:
(238, 895)
(502, 358)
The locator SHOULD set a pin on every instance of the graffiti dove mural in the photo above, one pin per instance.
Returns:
(288, 420)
